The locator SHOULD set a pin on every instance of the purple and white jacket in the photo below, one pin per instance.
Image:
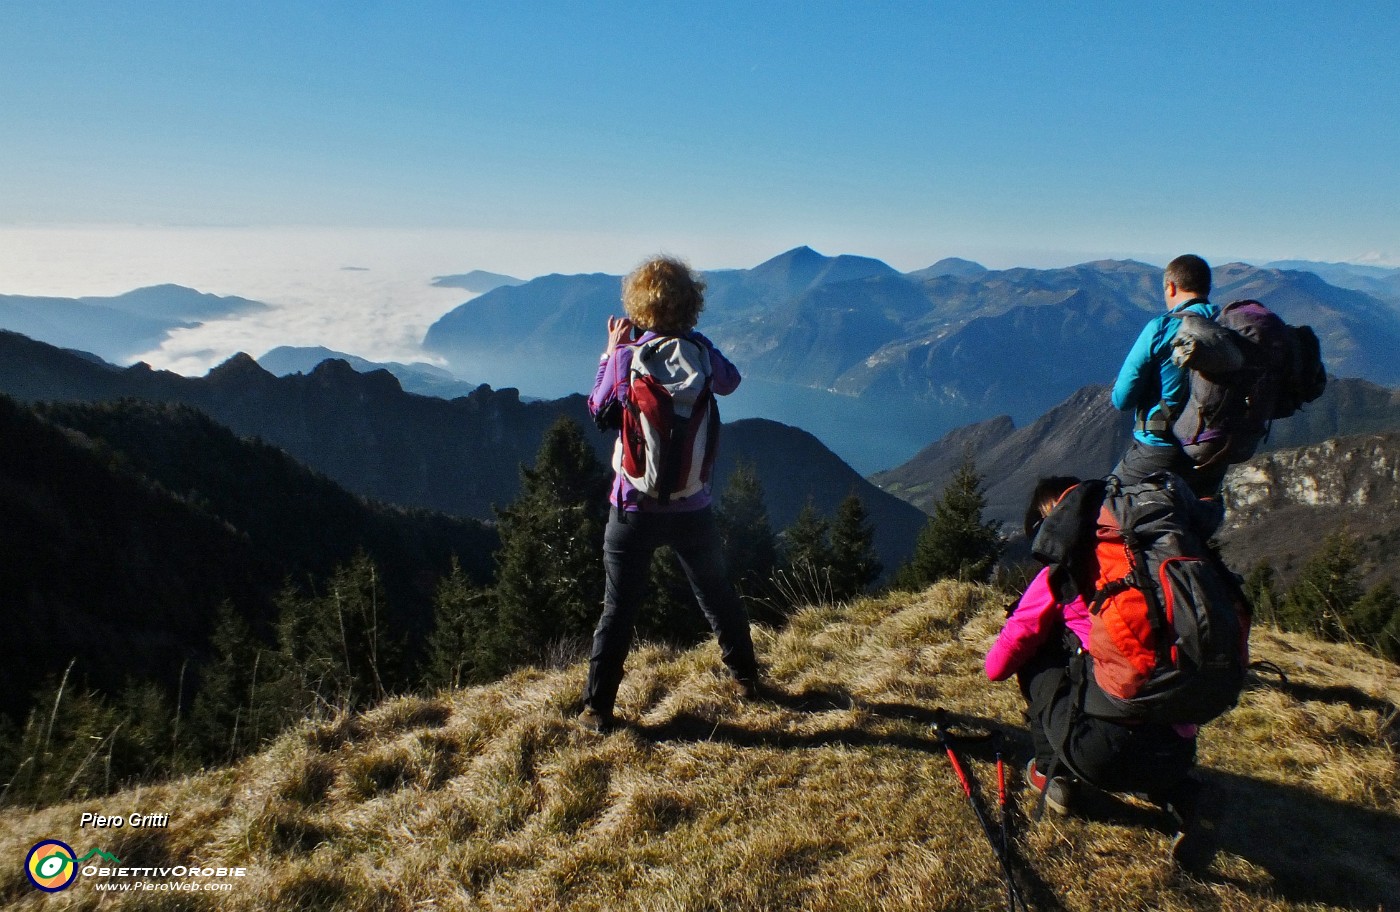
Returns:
(610, 386)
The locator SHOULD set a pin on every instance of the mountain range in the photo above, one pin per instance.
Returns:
(1381, 281)
(117, 328)
(460, 457)
(874, 362)
(879, 361)
(419, 377)
(1085, 436)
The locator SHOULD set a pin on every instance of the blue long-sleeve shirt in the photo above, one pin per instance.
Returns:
(1148, 377)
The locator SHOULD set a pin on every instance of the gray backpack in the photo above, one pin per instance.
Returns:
(1247, 369)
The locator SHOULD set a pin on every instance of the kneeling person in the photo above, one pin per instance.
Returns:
(1045, 643)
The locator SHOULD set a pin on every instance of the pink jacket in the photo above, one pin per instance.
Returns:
(1038, 617)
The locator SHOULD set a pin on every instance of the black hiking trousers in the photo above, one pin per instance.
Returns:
(628, 543)
(1142, 460)
(1149, 758)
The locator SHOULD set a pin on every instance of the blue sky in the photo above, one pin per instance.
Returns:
(1271, 129)
(538, 137)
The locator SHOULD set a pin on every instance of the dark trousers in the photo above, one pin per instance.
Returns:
(1142, 460)
(628, 544)
(1145, 757)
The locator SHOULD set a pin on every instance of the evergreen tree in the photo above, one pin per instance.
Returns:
(669, 613)
(955, 542)
(750, 546)
(78, 744)
(1261, 589)
(1375, 620)
(854, 565)
(337, 648)
(549, 570)
(1321, 598)
(145, 747)
(804, 543)
(804, 578)
(222, 722)
(460, 615)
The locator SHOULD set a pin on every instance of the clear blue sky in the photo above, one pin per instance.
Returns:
(996, 130)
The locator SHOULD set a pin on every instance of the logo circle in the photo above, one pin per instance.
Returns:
(51, 865)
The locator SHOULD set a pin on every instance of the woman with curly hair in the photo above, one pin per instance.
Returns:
(662, 299)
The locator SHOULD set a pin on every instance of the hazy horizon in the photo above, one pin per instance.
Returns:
(368, 292)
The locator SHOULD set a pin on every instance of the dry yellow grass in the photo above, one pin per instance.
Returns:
(832, 796)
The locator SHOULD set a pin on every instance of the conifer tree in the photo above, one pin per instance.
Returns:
(1261, 589)
(338, 648)
(145, 747)
(1375, 619)
(79, 744)
(460, 615)
(804, 576)
(955, 542)
(549, 570)
(854, 565)
(669, 613)
(805, 545)
(750, 546)
(222, 722)
(1328, 585)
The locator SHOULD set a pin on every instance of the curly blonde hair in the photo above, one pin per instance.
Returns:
(664, 296)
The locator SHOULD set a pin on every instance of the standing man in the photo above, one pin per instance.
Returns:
(1156, 389)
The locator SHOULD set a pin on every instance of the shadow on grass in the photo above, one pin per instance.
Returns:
(972, 737)
(1315, 849)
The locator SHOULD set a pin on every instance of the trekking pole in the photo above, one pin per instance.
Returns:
(1013, 894)
(1005, 818)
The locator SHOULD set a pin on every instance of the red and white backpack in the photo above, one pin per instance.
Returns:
(670, 427)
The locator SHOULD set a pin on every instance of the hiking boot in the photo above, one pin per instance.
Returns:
(1058, 791)
(596, 722)
(750, 687)
(1196, 840)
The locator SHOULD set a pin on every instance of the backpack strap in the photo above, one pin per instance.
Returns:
(1161, 425)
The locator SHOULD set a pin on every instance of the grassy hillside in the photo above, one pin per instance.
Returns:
(831, 796)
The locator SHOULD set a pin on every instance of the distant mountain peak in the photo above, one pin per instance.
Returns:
(797, 255)
(956, 267)
(242, 365)
(478, 281)
(341, 373)
(803, 267)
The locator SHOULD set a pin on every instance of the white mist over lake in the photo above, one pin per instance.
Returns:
(364, 293)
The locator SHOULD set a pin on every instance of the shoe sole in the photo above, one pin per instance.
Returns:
(1195, 848)
(1056, 805)
(597, 725)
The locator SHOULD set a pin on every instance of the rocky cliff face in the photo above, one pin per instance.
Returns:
(1281, 505)
(1085, 436)
(1355, 472)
